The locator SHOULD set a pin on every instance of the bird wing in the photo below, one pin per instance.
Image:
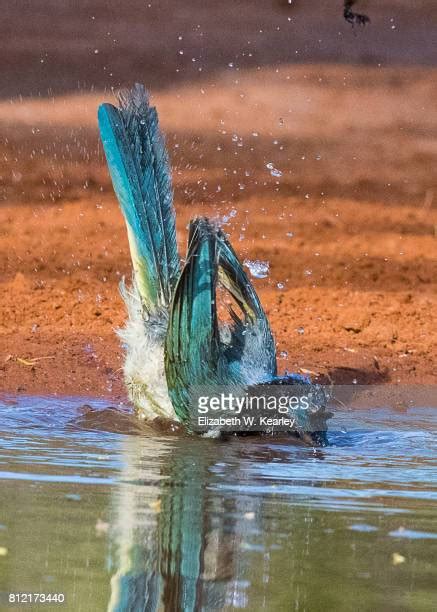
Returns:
(192, 346)
(195, 354)
(252, 347)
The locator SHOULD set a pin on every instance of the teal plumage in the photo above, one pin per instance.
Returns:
(141, 176)
(140, 171)
(239, 353)
(176, 340)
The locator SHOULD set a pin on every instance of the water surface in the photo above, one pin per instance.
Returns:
(118, 521)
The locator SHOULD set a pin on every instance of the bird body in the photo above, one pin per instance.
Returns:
(144, 372)
(178, 335)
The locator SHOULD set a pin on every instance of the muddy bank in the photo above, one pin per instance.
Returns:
(348, 226)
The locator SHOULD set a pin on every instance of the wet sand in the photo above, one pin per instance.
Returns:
(349, 227)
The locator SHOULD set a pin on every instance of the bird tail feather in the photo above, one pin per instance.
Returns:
(141, 176)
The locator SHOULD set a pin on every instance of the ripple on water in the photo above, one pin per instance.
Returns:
(371, 457)
(80, 485)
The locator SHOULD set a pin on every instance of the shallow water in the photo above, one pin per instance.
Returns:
(117, 521)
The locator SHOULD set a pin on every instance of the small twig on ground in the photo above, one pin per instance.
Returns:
(32, 361)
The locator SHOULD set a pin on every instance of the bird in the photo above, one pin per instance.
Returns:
(175, 338)
(354, 18)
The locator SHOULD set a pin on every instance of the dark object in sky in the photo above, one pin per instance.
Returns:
(354, 18)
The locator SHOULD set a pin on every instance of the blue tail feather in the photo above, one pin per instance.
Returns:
(141, 176)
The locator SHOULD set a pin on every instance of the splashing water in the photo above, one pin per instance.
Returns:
(257, 268)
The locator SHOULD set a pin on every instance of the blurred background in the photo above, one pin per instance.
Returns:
(53, 47)
(312, 141)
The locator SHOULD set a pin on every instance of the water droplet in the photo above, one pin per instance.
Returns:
(308, 272)
(289, 234)
(283, 354)
(273, 171)
(257, 268)
(280, 285)
(300, 330)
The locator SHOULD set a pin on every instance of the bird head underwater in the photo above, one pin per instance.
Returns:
(176, 342)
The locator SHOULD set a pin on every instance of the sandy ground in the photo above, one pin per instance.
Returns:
(348, 224)
(349, 228)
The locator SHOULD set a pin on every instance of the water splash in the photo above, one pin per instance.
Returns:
(257, 268)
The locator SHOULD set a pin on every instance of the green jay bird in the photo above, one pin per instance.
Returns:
(174, 337)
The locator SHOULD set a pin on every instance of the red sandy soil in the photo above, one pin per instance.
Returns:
(357, 147)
